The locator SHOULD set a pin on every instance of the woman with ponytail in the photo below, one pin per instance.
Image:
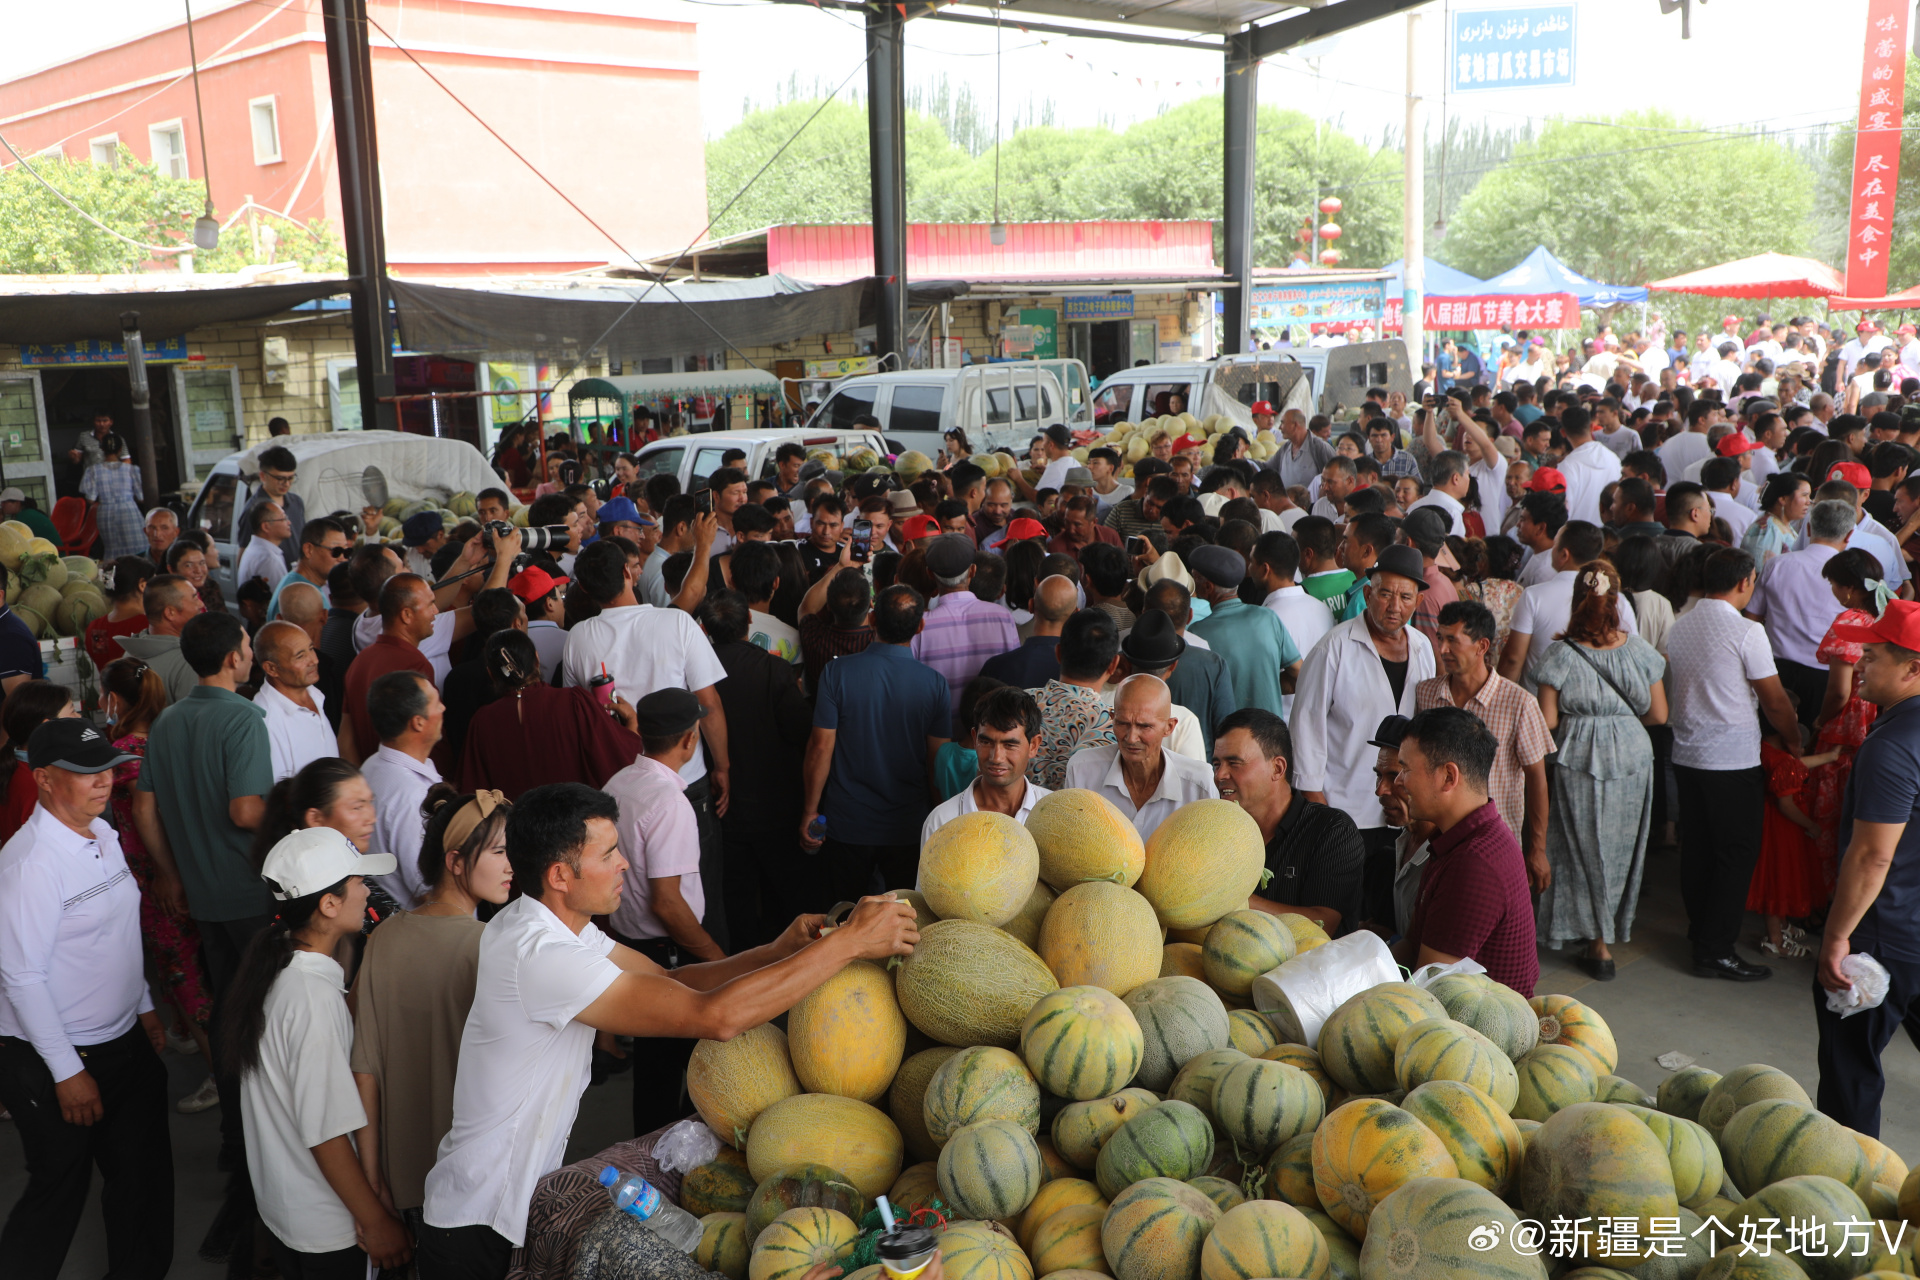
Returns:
(415, 986)
(328, 792)
(286, 1034)
(533, 733)
(1855, 577)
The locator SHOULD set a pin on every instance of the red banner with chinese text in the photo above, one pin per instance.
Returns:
(1493, 311)
(1876, 148)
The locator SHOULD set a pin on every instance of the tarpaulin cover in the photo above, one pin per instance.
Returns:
(1765, 275)
(1541, 272)
(1905, 300)
(333, 465)
(69, 316)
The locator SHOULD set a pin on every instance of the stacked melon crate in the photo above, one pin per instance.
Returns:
(1069, 1071)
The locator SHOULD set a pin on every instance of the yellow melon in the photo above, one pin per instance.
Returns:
(981, 867)
(1196, 936)
(907, 1098)
(917, 1187)
(847, 1035)
(968, 984)
(1101, 935)
(1052, 1197)
(1069, 1241)
(1205, 860)
(799, 1240)
(1081, 837)
(1182, 960)
(723, 1244)
(822, 1128)
(1307, 933)
(1025, 924)
(733, 1081)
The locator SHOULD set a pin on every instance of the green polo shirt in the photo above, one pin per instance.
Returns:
(40, 522)
(1254, 644)
(205, 750)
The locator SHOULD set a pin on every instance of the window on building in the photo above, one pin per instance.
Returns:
(106, 151)
(52, 153)
(169, 149)
(266, 130)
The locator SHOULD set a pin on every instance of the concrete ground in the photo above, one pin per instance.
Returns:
(1654, 1006)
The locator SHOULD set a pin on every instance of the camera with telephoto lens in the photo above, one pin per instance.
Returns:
(537, 538)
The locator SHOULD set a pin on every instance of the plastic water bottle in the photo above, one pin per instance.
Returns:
(635, 1195)
(817, 829)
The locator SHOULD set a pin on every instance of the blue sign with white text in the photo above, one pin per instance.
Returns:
(1512, 48)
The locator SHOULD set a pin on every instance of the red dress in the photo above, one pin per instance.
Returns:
(1845, 732)
(1787, 880)
(172, 946)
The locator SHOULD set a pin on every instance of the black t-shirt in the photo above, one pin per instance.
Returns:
(1317, 860)
(818, 562)
(1885, 788)
(1879, 505)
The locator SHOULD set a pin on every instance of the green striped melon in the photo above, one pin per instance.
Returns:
(1362, 1151)
(723, 1244)
(1082, 1042)
(1777, 1138)
(1441, 1049)
(1155, 1230)
(1070, 1241)
(1222, 1192)
(1810, 1198)
(1025, 924)
(858, 1140)
(1692, 1156)
(1564, 1020)
(980, 866)
(1733, 1264)
(1886, 1166)
(1551, 1077)
(803, 1186)
(1080, 1129)
(1299, 1055)
(1061, 1193)
(1676, 1254)
(1895, 1250)
(799, 1240)
(1241, 946)
(968, 984)
(1497, 1012)
(1183, 960)
(1594, 1160)
(1611, 1088)
(722, 1185)
(1194, 1083)
(730, 1082)
(1681, 1093)
(1882, 1201)
(1083, 836)
(1343, 1251)
(1474, 1128)
(1205, 860)
(1179, 1017)
(1358, 1040)
(990, 1170)
(979, 1084)
(1101, 935)
(1171, 1140)
(1429, 1228)
(1251, 1032)
(1260, 1104)
(917, 1187)
(906, 1100)
(982, 1251)
(1289, 1173)
(1263, 1238)
(1744, 1086)
(847, 1035)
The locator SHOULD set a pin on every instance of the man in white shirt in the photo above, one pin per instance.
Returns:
(1544, 609)
(1057, 441)
(1588, 466)
(1796, 605)
(1139, 775)
(1725, 370)
(1274, 564)
(1691, 446)
(79, 1041)
(1450, 477)
(1337, 479)
(1006, 733)
(1856, 347)
(1909, 354)
(1722, 669)
(1614, 432)
(407, 716)
(1721, 477)
(548, 978)
(263, 557)
(297, 727)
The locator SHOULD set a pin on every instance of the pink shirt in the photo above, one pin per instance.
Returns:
(659, 838)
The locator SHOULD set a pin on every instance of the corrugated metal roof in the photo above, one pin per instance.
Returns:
(1033, 251)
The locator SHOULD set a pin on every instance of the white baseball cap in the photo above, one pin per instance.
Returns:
(317, 858)
(11, 494)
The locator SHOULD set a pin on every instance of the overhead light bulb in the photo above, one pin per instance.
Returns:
(1440, 226)
(997, 233)
(206, 232)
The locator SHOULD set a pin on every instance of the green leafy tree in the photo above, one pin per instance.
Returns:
(1833, 200)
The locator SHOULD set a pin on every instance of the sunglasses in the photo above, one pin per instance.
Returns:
(338, 553)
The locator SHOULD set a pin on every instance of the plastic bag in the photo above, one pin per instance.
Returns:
(1869, 978)
(1302, 994)
(1427, 974)
(686, 1146)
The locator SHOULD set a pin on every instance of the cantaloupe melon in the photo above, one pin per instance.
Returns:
(1442, 1049)
(847, 1035)
(1052, 1197)
(1744, 1086)
(858, 1140)
(1692, 1156)
(1289, 1173)
(917, 1187)
(906, 1100)
(1438, 1229)
(1681, 1093)
(733, 1081)
(1551, 1077)
(1025, 924)
(1365, 1149)
(1298, 1055)
(1263, 1238)
(1612, 1088)
(1777, 1138)
(1099, 934)
(1358, 1039)
(722, 1185)
(1156, 1229)
(1564, 1020)
(1082, 1042)
(981, 1083)
(1205, 860)
(1260, 1104)
(1082, 837)
(723, 1244)
(1082, 1128)
(1052, 1163)
(1343, 1250)
(1179, 1017)
(1171, 1140)
(799, 1240)
(1223, 1193)
(1885, 1166)
(1070, 1241)
(1182, 960)
(982, 1251)
(969, 984)
(981, 867)
(1251, 1032)
(802, 1186)
(1594, 1160)
(1474, 1128)
(1307, 933)
(1194, 1083)
(990, 1170)
(1813, 1201)
(1241, 946)
(1497, 1012)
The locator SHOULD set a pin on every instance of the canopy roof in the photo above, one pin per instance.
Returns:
(1765, 275)
(1442, 281)
(627, 388)
(1541, 272)
(1902, 300)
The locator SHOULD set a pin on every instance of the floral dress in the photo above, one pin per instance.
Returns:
(1787, 881)
(1502, 597)
(1827, 785)
(172, 946)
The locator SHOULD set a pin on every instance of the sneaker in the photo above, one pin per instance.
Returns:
(201, 1099)
(185, 1046)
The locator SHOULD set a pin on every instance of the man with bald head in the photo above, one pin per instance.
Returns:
(171, 603)
(303, 605)
(1303, 455)
(1036, 661)
(407, 616)
(297, 728)
(1139, 774)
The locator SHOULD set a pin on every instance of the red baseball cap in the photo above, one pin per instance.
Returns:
(1025, 527)
(1548, 480)
(533, 583)
(1898, 625)
(1262, 406)
(1730, 322)
(1853, 473)
(1733, 444)
(1907, 328)
(914, 528)
(1188, 442)
(1863, 327)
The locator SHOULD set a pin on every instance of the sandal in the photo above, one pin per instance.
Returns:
(1787, 949)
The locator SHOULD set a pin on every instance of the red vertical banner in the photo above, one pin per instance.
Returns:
(1876, 148)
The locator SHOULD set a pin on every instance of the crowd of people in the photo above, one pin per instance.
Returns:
(411, 840)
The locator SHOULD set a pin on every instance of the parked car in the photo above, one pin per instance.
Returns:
(999, 406)
(692, 458)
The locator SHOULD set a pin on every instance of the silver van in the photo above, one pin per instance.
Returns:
(999, 406)
(692, 458)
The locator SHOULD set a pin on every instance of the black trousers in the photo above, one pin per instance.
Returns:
(712, 862)
(856, 870)
(1809, 684)
(462, 1253)
(1721, 813)
(129, 1143)
(349, 1263)
(1851, 1080)
(770, 880)
(659, 1063)
(222, 943)
(1376, 876)
(1661, 735)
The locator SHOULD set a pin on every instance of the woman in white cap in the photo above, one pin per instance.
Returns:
(286, 1034)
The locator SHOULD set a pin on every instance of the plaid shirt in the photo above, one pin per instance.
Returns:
(1401, 463)
(115, 487)
(960, 633)
(1474, 902)
(1071, 717)
(1514, 719)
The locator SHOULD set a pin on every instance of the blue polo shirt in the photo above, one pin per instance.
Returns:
(882, 704)
(1254, 644)
(1885, 787)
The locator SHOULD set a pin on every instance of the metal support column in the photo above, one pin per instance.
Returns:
(350, 76)
(887, 162)
(1242, 84)
(142, 425)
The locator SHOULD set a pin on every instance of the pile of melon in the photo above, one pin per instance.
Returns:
(1067, 1066)
(54, 595)
(1135, 440)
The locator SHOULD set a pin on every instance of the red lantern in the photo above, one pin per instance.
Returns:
(1330, 257)
(1330, 206)
(1331, 231)
(1304, 235)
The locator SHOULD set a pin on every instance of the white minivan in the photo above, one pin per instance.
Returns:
(692, 458)
(999, 406)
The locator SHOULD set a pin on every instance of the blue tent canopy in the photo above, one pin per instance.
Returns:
(1541, 272)
(1442, 281)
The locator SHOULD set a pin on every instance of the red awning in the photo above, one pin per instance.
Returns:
(1766, 275)
(1905, 299)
